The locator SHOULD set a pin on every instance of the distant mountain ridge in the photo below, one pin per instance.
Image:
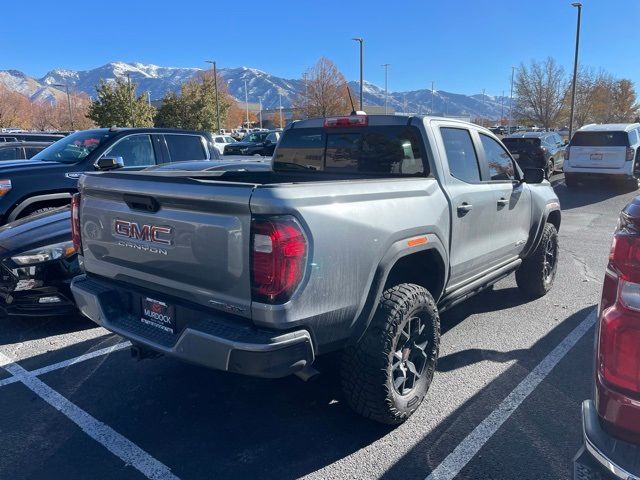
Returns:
(260, 85)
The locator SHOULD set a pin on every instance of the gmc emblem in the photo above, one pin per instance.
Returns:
(146, 233)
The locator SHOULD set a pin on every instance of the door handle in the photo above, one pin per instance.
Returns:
(502, 202)
(464, 208)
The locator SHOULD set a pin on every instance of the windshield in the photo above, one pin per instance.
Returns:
(521, 142)
(73, 148)
(255, 137)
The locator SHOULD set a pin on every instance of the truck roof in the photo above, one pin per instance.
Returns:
(380, 120)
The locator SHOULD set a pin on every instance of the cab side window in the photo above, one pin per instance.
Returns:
(461, 155)
(499, 161)
(135, 150)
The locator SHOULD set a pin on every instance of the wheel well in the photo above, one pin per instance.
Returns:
(424, 268)
(554, 219)
(61, 202)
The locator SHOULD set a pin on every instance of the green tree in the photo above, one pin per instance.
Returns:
(195, 107)
(116, 104)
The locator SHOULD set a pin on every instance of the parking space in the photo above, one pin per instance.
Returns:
(165, 419)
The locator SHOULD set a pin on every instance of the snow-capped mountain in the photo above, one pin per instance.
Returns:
(260, 86)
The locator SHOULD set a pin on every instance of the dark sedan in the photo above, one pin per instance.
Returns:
(537, 150)
(37, 259)
(255, 143)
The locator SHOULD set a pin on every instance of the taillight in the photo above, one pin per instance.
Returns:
(624, 257)
(630, 154)
(350, 121)
(75, 223)
(278, 258)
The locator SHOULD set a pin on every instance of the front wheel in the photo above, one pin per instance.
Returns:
(538, 271)
(386, 375)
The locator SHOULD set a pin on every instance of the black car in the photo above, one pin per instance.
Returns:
(37, 263)
(50, 178)
(537, 150)
(21, 150)
(31, 137)
(37, 259)
(255, 143)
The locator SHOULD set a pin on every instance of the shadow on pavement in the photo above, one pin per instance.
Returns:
(587, 193)
(22, 329)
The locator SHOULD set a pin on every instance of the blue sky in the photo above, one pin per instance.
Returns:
(464, 46)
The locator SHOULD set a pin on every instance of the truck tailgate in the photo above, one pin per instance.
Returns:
(181, 237)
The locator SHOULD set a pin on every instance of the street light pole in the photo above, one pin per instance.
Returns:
(280, 108)
(432, 83)
(260, 99)
(483, 105)
(513, 70)
(361, 42)
(215, 88)
(578, 5)
(66, 88)
(133, 120)
(246, 101)
(386, 90)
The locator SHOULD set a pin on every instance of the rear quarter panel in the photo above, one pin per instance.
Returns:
(350, 226)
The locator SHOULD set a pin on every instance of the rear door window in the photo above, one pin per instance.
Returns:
(185, 147)
(383, 150)
(31, 151)
(9, 154)
(135, 150)
(461, 154)
(600, 139)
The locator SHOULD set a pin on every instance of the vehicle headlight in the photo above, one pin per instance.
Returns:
(45, 254)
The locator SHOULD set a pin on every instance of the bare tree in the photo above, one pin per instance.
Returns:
(15, 109)
(325, 91)
(540, 89)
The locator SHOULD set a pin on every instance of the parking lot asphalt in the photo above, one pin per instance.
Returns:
(504, 403)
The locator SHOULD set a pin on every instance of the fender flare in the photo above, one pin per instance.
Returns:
(396, 251)
(538, 228)
(24, 204)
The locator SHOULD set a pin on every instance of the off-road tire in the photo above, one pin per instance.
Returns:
(538, 271)
(370, 367)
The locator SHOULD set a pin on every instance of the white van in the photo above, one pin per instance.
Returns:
(603, 150)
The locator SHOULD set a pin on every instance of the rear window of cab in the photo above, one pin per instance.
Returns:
(383, 150)
(600, 139)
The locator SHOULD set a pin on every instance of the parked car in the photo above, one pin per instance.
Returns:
(537, 150)
(21, 150)
(499, 130)
(255, 143)
(50, 178)
(221, 141)
(37, 259)
(604, 151)
(31, 137)
(611, 420)
(355, 241)
(37, 263)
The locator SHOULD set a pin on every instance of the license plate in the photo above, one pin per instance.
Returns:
(596, 156)
(159, 315)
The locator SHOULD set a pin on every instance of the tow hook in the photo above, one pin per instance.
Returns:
(140, 352)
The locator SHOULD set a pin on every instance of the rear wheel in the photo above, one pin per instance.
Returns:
(386, 375)
(538, 271)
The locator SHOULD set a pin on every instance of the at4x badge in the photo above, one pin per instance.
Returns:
(73, 175)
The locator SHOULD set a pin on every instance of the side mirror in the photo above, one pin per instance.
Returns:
(533, 175)
(267, 142)
(109, 163)
(565, 143)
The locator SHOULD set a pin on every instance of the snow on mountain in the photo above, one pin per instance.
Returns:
(260, 85)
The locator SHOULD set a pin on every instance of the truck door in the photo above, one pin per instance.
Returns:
(473, 203)
(512, 200)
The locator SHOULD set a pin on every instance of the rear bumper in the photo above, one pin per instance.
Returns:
(625, 171)
(208, 338)
(601, 455)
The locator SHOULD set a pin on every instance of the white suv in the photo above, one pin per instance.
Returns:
(603, 150)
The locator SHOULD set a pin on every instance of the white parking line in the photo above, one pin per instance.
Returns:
(120, 446)
(67, 363)
(469, 447)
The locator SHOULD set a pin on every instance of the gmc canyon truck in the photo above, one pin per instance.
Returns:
(364, 231)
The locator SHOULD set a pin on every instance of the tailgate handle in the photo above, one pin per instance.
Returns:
(141, 202)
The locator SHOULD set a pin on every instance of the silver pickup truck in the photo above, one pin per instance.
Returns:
(366, 228)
